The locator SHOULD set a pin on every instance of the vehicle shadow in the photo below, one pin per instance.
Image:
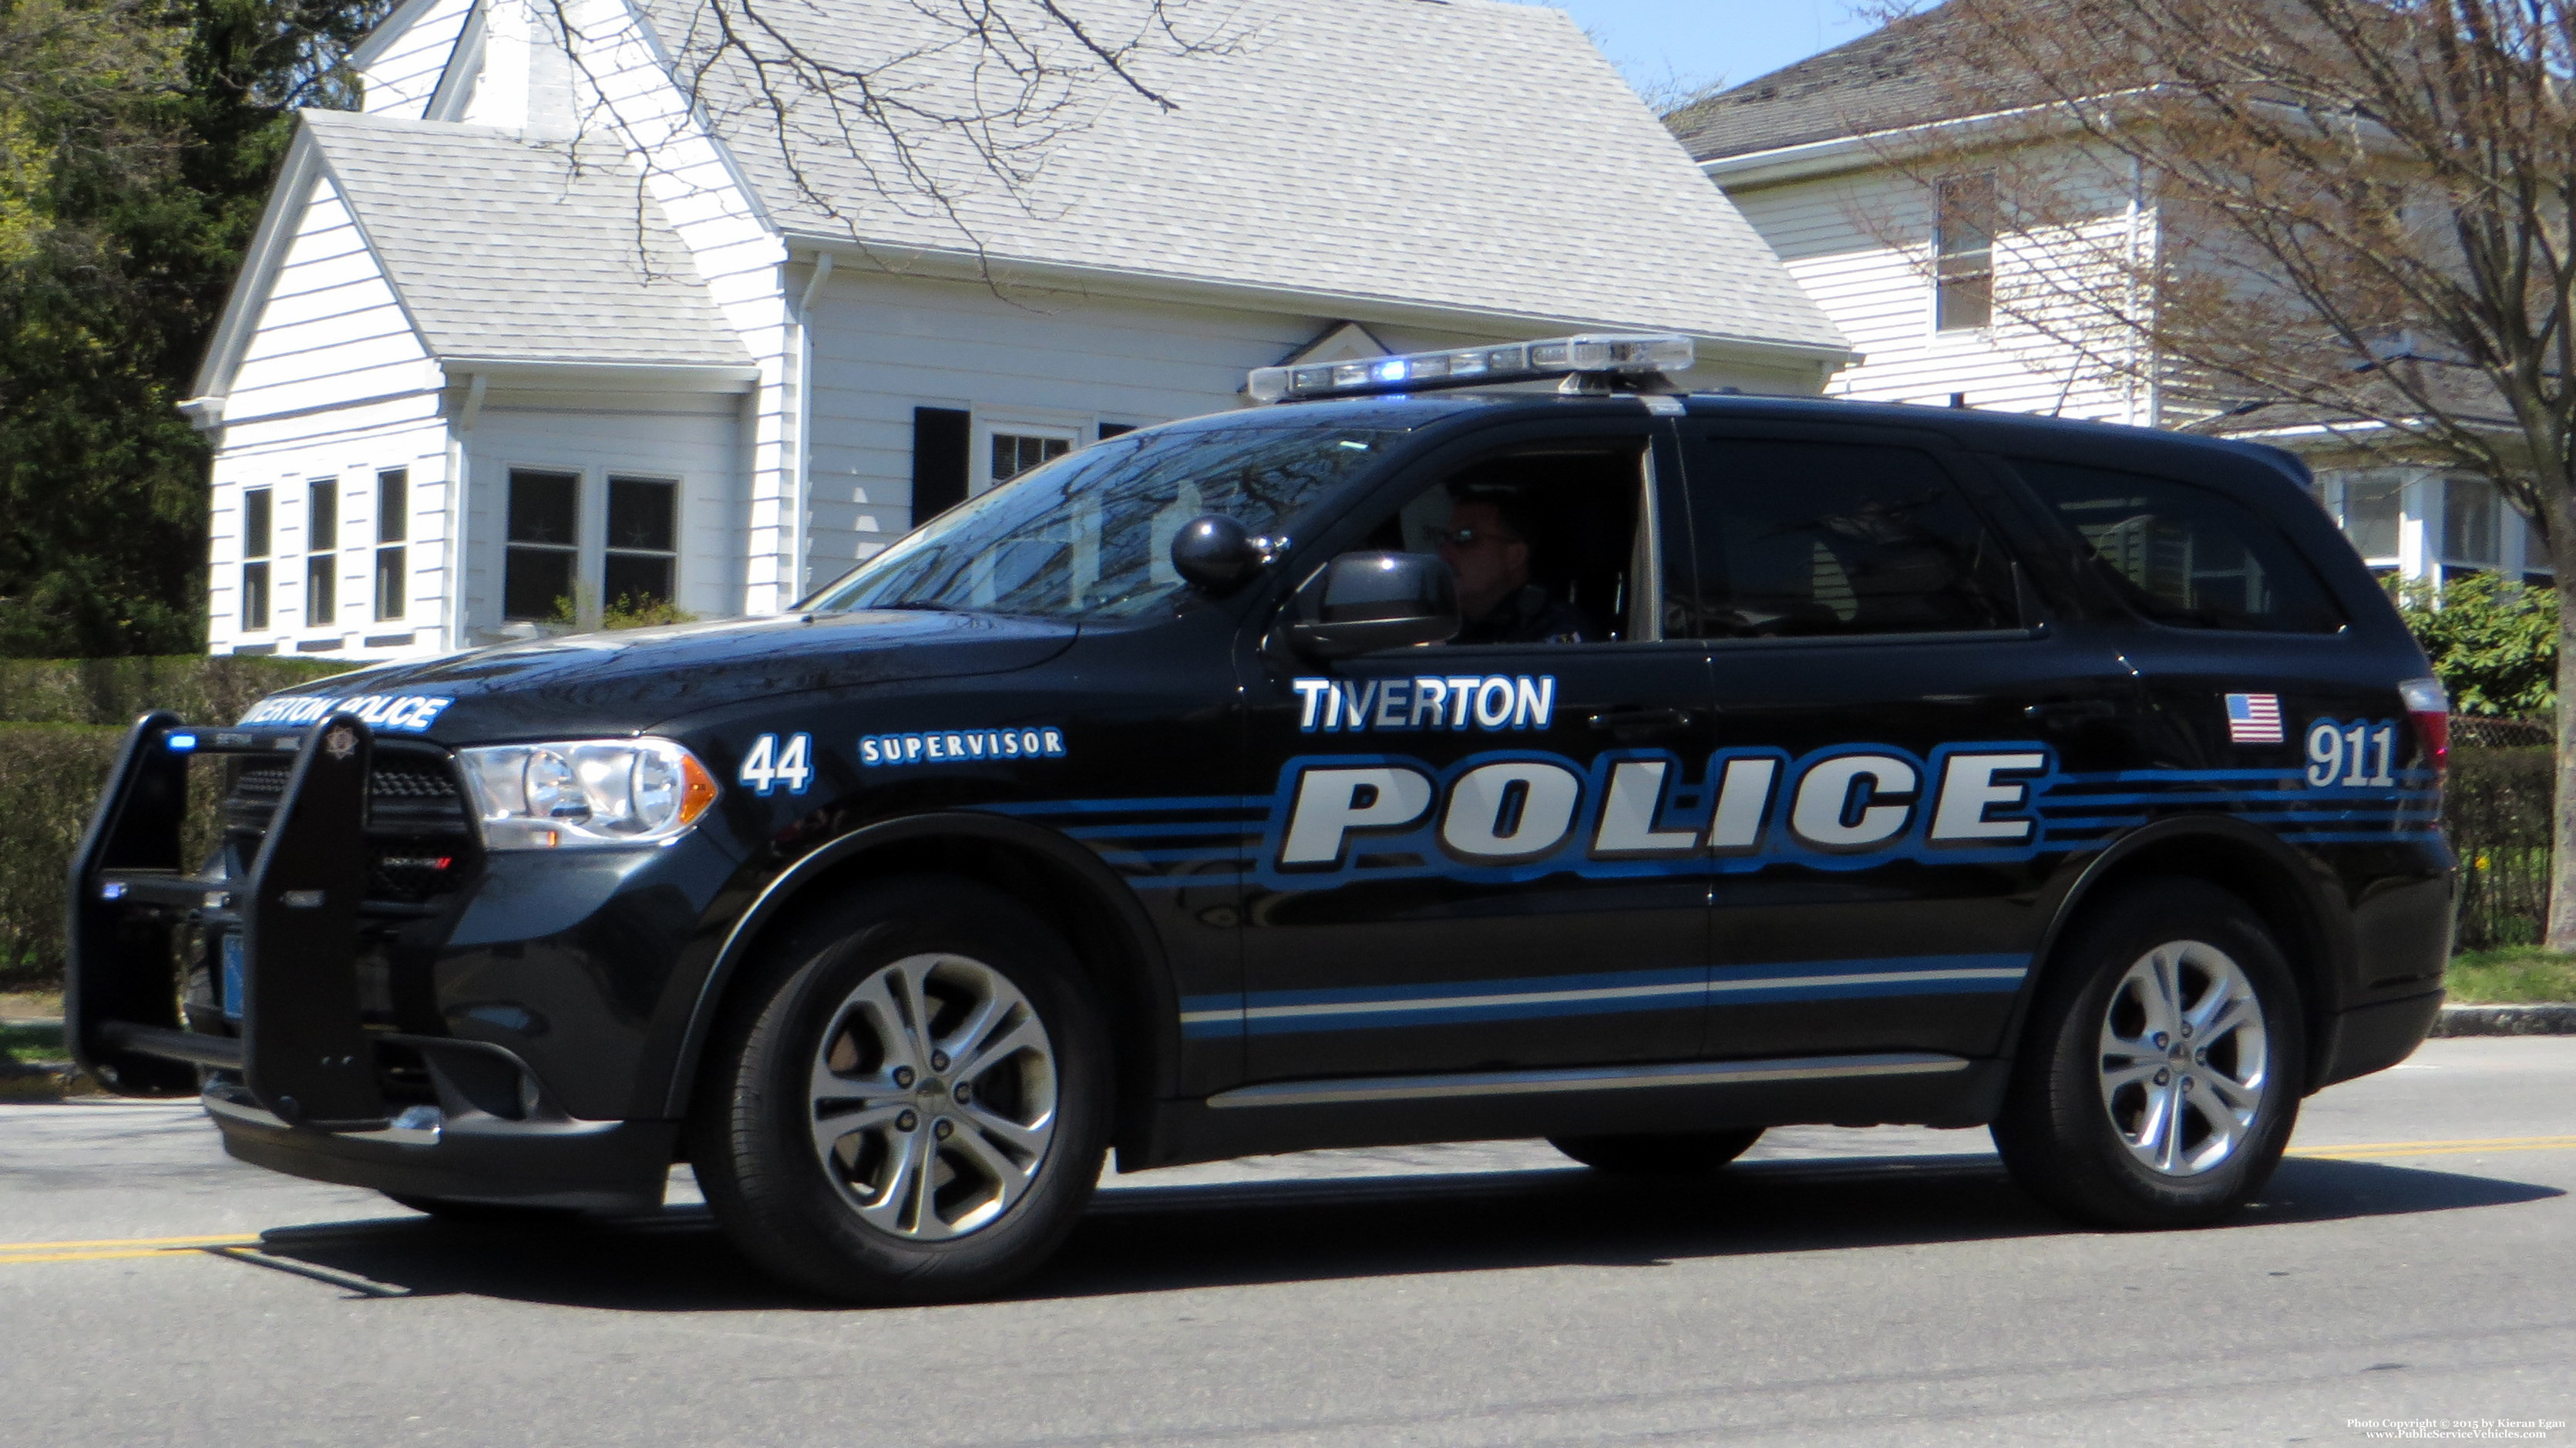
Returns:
(1157, 1239)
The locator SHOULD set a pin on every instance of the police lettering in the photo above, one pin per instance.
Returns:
(1453, 702)
(961, 746)
(386, 713)
(1518, 809)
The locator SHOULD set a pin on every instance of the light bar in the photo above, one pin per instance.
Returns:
(1474, 366)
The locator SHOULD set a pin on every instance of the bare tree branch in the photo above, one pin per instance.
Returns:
(2364, 215)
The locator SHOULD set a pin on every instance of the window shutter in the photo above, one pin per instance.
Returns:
(941, 437)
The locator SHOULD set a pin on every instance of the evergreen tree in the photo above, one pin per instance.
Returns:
(137, 142)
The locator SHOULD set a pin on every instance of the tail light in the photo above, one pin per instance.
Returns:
(2429, 705)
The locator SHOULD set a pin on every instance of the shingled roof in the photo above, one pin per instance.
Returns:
(1467, 155)
(1910, 72)
(509, 250)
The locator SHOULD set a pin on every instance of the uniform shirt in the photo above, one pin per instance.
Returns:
(1528, 616)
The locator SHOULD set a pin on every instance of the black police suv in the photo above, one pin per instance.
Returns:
(1819, 762)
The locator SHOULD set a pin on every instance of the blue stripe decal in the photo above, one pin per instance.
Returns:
(1246, 828)
(1990, 803)
(1122, 853)
(1104, 806)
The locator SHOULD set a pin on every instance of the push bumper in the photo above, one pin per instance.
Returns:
(309, 1085)
(590, 1166)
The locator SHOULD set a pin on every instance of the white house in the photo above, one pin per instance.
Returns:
(549, 320)
(1810, 154)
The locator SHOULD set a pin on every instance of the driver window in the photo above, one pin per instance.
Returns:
(1549, 543)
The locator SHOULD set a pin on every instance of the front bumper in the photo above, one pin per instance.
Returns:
(591, 1166)
(312, 1084)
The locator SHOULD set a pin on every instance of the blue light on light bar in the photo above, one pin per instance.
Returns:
(112, 890)
(182, 743)
(1635, 355)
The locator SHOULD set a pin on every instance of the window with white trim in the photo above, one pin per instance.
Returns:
(257, 516)
(321, 543)
(542, 555)
(640, 565)
(1963, 252)
(1014, 453)
(393, 506)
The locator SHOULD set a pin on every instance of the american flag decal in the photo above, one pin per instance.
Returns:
(2254, 718)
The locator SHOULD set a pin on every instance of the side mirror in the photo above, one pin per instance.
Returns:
(1363, 602)
(1214, 553)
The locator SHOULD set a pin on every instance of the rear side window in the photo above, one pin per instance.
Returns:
(1826, 539)
(2185, 555)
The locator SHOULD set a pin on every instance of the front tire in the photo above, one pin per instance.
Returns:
(2159, 1078)
(911, 1102)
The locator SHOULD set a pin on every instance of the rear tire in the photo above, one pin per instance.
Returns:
(911, 1098)
(2159, 1077)
(1673, 1154)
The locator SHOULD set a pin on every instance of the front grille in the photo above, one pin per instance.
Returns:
(402, 792)
(420, 838)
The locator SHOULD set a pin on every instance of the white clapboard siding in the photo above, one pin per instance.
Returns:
(1860, 244)
(883, 345)
(344, 448)
(331, 330)
(401, 76)
(619, 82)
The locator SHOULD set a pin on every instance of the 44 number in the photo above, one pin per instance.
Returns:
(771, 765)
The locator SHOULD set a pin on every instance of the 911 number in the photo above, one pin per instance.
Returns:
(2343, 754)
(772, 765)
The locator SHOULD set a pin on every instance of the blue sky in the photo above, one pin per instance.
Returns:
(1698, 40)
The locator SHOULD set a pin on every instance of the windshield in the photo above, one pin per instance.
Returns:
(1090, 534)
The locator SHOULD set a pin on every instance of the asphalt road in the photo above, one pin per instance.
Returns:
(2416, 1261)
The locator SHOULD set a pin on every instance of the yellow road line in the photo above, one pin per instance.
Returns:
(230, 1239)
(2442, 1148)
(16, 1259)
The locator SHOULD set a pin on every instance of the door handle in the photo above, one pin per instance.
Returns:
(2067, 713)
(1632, 722)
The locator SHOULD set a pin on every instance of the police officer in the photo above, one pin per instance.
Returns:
(1486, 544)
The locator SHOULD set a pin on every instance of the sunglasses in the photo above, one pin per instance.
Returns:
(1470, 537)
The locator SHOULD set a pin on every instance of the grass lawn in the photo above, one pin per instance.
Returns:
(2512, 977)
(25, 1044)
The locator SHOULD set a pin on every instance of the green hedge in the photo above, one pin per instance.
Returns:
(2496, 813)
(48, 778)
(200, 689)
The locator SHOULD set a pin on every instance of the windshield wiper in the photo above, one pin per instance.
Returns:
(924, 605)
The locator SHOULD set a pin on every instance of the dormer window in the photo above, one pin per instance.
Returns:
(1963, 253)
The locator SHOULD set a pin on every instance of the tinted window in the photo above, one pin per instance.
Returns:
(1824, 539)
(2185, 555)
(1543, 541)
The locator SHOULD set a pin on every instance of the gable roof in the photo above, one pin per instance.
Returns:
(1910, 72)
(1460, 154)
(495, 245)
(494, 248)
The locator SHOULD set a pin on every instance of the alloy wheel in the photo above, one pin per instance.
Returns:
(933, 1097)
(2185, 1058)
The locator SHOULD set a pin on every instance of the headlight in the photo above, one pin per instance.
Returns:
(590, 792)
